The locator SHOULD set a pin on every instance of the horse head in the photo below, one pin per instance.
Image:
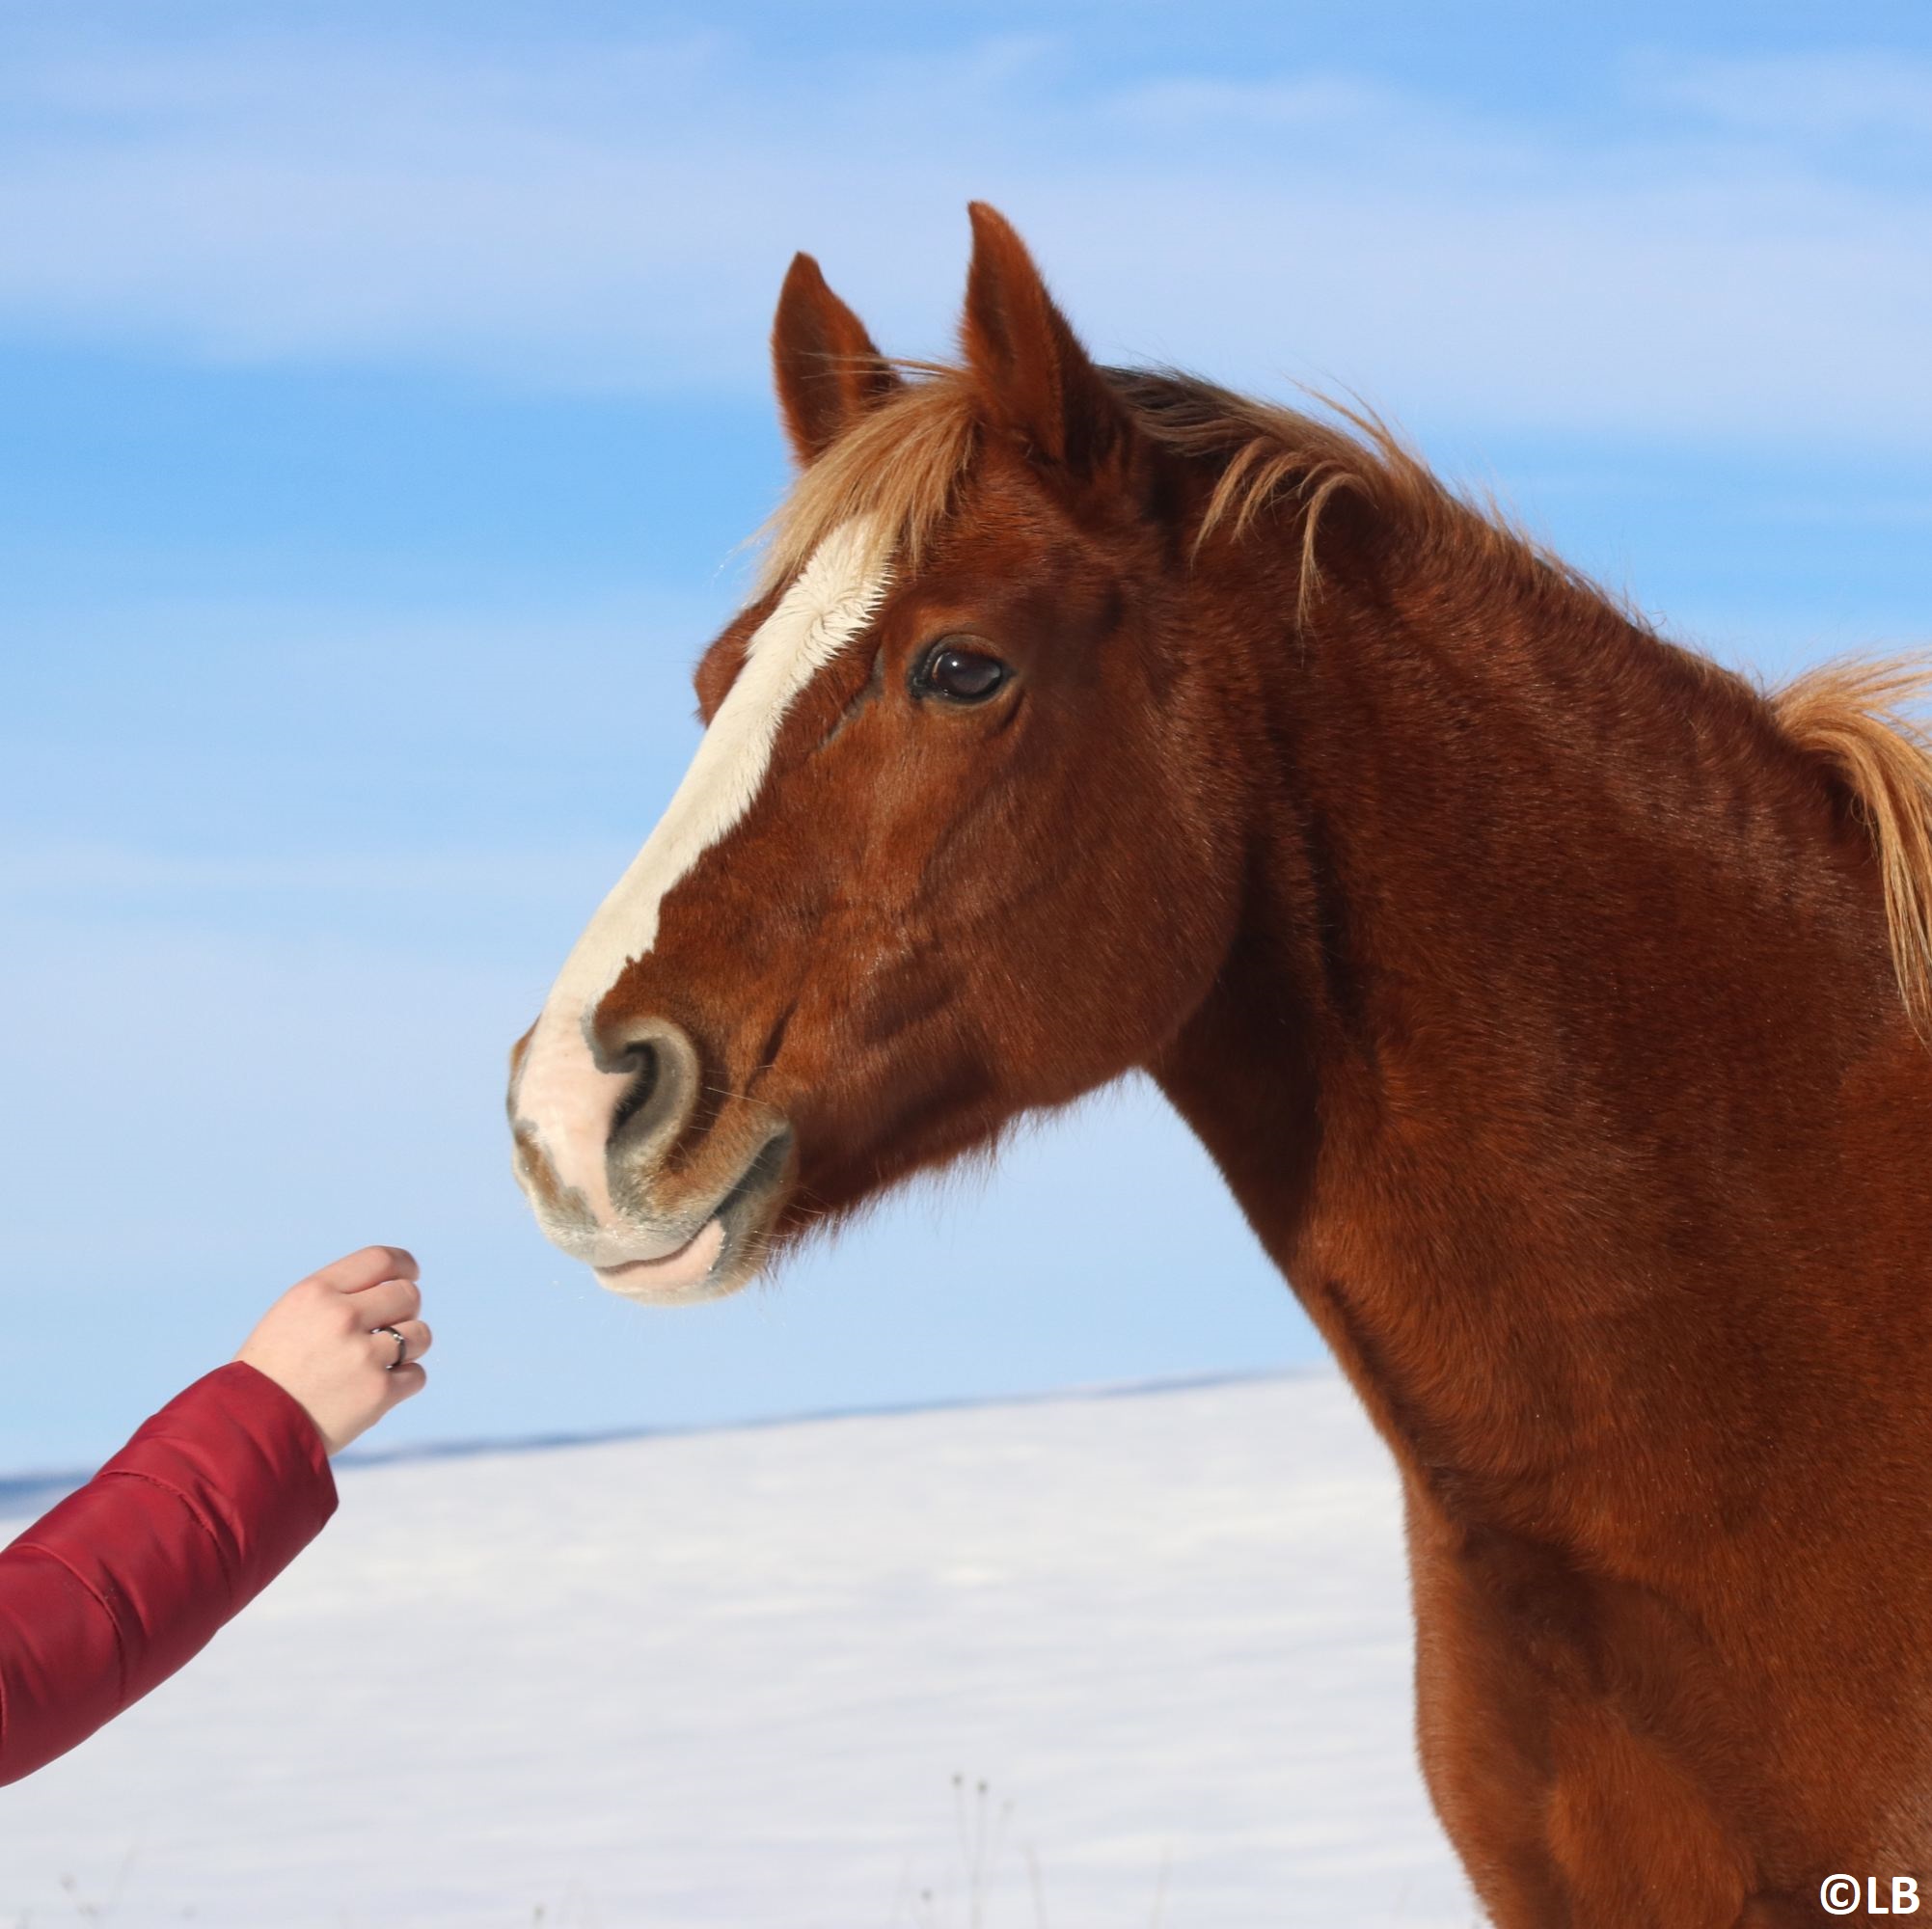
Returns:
(951, 848)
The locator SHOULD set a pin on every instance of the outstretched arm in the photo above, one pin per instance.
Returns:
(106, 1595)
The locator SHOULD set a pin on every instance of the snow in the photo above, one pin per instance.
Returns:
(732, 1678)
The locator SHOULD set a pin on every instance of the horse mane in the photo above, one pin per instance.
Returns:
(903, 462)
(1852, 715)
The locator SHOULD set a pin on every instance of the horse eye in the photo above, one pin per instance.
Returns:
(966, 676)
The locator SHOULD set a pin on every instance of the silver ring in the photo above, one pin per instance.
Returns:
(401, 1345)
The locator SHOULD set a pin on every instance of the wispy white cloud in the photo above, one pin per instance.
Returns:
(619, 215)
(1811, 95)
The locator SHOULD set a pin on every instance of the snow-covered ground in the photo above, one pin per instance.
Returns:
(730, 1679)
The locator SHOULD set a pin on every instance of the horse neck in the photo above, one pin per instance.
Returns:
(1549, 946)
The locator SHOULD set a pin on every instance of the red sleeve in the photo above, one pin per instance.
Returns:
(104, 1598)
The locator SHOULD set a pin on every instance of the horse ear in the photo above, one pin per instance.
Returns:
(1041, 385)
(827, 371)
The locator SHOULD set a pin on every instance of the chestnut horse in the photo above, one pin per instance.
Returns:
(1550, 997)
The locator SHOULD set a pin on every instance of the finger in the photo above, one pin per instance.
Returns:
(388, 1304)
(416, 1342)
(405, 1383)
(358, 1271)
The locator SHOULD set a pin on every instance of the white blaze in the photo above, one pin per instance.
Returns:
(560, 1094)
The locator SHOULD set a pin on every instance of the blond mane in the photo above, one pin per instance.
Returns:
(904, 462)
(1853, 713)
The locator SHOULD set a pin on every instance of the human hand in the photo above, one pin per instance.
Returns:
(319, 1344)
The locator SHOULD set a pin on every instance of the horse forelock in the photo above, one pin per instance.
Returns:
(897, 470)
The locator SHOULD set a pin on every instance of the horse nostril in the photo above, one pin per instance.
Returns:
(660, 1066)
(642, 1059)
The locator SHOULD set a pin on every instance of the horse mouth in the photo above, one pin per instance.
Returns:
(728, 1247)
(683, 1274)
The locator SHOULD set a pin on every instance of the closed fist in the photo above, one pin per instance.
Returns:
(344, 1341)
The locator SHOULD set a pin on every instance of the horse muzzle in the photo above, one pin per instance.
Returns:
(667, 1198)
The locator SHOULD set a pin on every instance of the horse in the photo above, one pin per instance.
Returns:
(1553, 1000)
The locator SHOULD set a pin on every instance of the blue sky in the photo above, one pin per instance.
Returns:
(384, 398)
